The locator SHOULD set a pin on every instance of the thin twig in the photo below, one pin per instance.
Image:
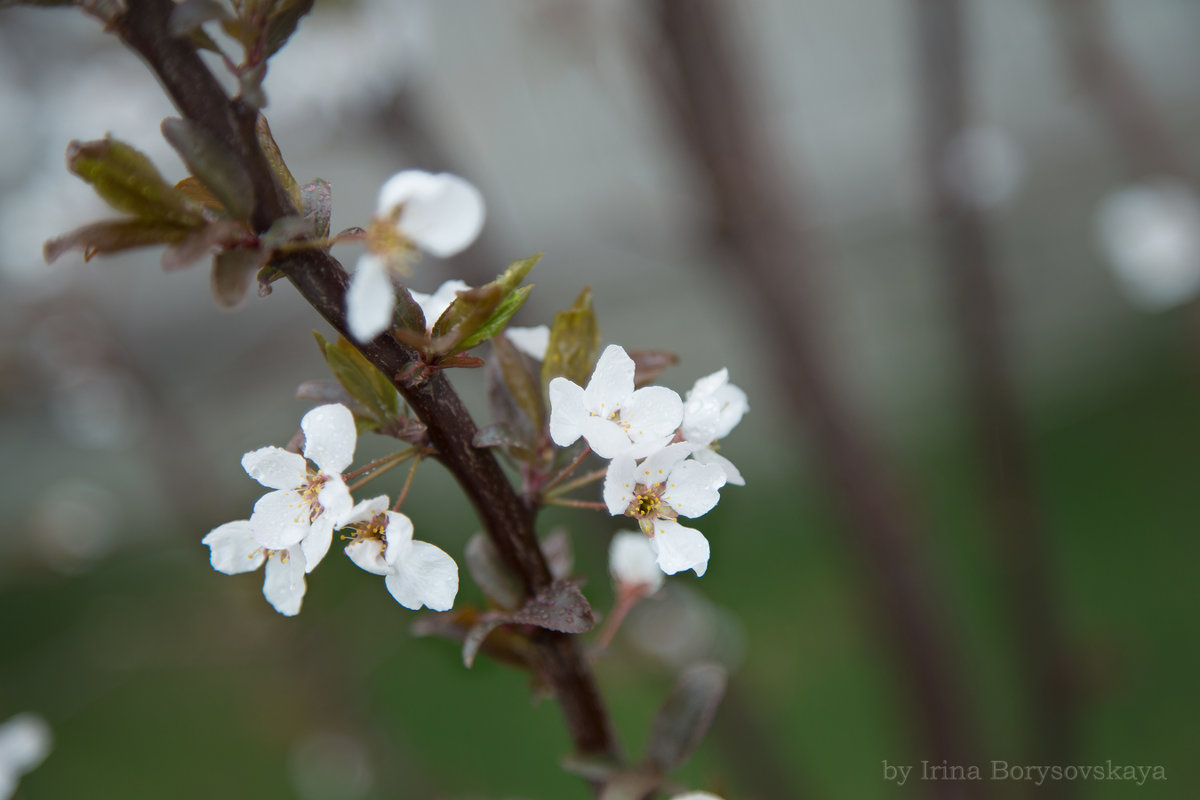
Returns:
(569, 503)
(568, 470)
(399, 456)
(412, 472)
(582, 480)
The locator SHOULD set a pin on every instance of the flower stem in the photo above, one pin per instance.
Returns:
(385, 465)
(582, 480)
(412, 471)
(566, 501)
(570, 468)
(399, 455)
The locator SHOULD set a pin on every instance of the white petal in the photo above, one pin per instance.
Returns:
(425, 576)
(709, 384)
(283, 584)
(692, 488)
(370, 300)
(679, 548)
(280, 519)
(732, 475)
(364, 511)
(434, 305)
(25, 741)
(611, 383)
(606, 438)
(696, 796)
(316, 543)
(531, 341)
(733, 404)
(619, 483)
(443, 214)
(335, 500)
(657, 468)
(276, 468)
(368, 554)
(652, 413)
(632, 561)
(701, 420)
(329, 437)
(399, 532)
(567, 412)
(234, 548)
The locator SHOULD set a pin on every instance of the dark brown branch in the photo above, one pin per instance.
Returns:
(1113, 90)
(1010, 491)
(322, 282)
(713, 115)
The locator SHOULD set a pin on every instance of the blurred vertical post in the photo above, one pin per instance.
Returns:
(1108, 83)
(1010, 491)
(709, 103)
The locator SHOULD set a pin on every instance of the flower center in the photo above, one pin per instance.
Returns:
(310, 494)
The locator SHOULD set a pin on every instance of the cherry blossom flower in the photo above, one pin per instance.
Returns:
(234, 548)
(25, 742)
(665, 486)
(307, 503)
(696, 796)
(533, 342)
(441, 214)
(713, 408)
(632, 562)
(415, 573)
(614, 419)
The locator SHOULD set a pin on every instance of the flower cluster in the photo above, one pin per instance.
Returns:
(291, 528)
(662, 449)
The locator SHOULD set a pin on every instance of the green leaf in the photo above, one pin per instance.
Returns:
(408, 316)
(233, 272)
(128, 182)
(512, 277)
(212, 163)
(559, 607)
(114, 236)
(282, 174)
(574, 342)
(469, 311)
(360, 378)
(283, 21)
(200, 194)
(495, 323)
(685, 716)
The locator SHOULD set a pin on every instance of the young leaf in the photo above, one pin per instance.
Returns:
(685, 716)
(408, 316)
(201, 241)
(556, 547)
(495, 323)
(316, 204)
(464, 317)
(212, 163)
(649, 364)
(200, 194)
(233, 272)
(114, 236)
(489, 572)
(128, 182)
(516, 371)
(271, 150)
(361, 379)
(476, 636)
(574, 342)
(559, 607)
(283, 21)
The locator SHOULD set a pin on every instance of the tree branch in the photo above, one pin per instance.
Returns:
(322, 282)
(713, 115)
(1010, 488)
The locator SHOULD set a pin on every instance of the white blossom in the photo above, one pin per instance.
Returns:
(665, 486)
(713, 408)
(533, 342)
(234, 549)
(632, 562)
(441, 214)
(307, 503)
(416, 573)
(696, 796)
(25, 741)
(609, 414)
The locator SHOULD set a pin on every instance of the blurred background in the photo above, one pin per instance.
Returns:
(950, 250)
